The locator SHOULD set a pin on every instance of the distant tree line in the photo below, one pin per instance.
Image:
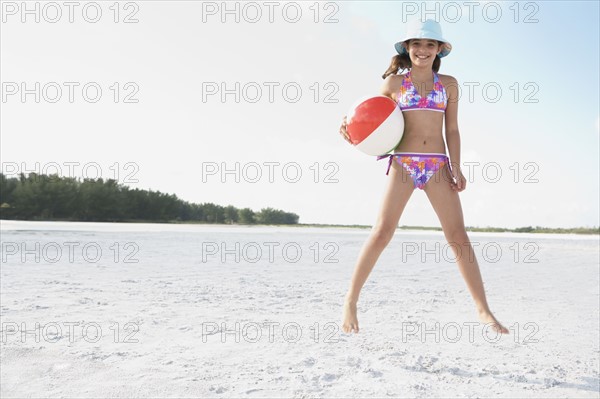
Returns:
(527, 229)
(42, 197)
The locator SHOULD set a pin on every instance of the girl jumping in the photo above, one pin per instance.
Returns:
(427, 100)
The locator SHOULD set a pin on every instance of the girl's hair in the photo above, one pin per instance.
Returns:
(402, 62)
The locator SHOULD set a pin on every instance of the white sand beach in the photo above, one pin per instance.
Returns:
(157, 310)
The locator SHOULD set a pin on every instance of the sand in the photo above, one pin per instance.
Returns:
(169, 317)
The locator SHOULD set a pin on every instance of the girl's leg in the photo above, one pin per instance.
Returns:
(446, 204)
(400, 188)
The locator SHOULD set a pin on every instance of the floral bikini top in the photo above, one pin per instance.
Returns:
(410, 100)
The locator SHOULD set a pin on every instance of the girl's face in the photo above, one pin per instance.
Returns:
(422, 52)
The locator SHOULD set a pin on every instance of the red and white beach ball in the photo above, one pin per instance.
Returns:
(375, 125)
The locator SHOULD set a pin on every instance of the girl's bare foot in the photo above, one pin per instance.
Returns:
(487, 317)
(350, 322)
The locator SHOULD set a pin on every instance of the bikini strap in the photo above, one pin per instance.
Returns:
(391, 156)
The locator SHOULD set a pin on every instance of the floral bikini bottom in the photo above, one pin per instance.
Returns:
(420, 165)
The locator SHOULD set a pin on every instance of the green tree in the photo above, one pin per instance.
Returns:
(246, 216)
(276, 216)
(231, 214)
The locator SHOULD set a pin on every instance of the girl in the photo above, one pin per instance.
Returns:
(427, 100)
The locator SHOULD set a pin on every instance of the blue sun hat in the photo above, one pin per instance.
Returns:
(428, 29)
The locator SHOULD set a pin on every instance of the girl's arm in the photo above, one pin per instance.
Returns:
(452, 133)
(389, 86)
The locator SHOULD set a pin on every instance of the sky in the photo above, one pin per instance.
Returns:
(240, 103)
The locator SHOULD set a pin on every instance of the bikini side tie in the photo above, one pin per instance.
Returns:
(391, 156)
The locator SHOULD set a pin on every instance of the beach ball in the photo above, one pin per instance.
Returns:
(375, 125)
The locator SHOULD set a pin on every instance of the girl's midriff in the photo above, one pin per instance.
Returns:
(422, 132)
